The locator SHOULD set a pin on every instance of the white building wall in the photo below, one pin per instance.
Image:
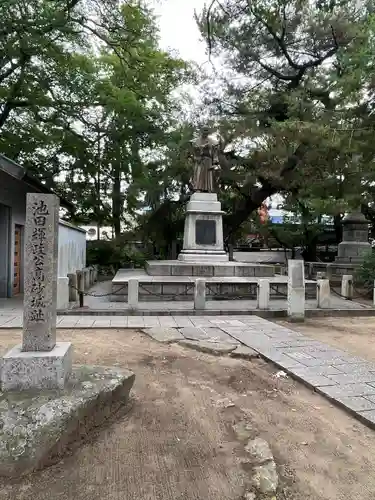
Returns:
(72, 249)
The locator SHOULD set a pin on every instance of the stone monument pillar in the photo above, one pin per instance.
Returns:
(354, 239)
(40, 362)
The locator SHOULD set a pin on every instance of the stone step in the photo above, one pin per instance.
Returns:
(220, 269)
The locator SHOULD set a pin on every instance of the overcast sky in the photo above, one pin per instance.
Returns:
(178, 29)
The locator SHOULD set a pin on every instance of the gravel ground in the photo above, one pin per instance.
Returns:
(177, 439)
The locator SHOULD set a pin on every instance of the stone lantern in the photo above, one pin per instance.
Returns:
(355, 242)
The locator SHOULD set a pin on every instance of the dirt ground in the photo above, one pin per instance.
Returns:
(354, 335)
(176, 439)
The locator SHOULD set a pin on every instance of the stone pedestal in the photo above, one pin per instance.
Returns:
(133, 293)
(263, 294)
(24, 370)
(203, 234)
(62, 301)
(355, 242)
(200, 294)
(347, 286)
(296, 290)
(73, 294)
(324, 294)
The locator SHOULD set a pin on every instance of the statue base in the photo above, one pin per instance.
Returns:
(203, 233)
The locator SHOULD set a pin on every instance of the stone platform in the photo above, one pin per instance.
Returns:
(205, 269)
(179, 288)
(36, 427)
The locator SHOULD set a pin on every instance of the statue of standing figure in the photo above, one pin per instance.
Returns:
(205, 160)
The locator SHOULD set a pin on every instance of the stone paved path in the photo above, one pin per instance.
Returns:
(347, 380)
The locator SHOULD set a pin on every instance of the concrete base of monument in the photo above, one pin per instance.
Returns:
(29, 370)
(37, 427)
(203, 256)
(203, 231)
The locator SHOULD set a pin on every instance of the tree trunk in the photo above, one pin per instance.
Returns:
(116, 200)
(309, 252)
(338, 228)
(98, 186)
(4, 115)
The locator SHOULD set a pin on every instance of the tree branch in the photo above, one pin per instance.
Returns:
(277, 39)
(250, 203)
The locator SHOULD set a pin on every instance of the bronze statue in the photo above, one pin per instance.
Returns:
(205, 160)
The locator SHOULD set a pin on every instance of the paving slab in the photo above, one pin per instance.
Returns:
(367, 417)
(244, 352)
(282, 360)
(7, 319)
(118, 323)
(168, 321)
(136, 322)
(183, 321)
(354, 378)
(316, 380)
(209, 347)
(151, 321)
(315, 370)
(325, 355)
(341, 391)
(84, 322)
(249, 337)
(298, 355)
(165, 335)
(364, 367)
(299, 343)
(194, 333)
(322, 361)
(358, 403)
(218, 335)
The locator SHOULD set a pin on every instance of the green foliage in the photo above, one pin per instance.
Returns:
(86, 104)
(112, 255)
(366, 273)
(299, 98)
(85, 100)
(293, 234)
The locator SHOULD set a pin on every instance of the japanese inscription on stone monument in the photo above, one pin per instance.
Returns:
(40, 284)
(38, 244)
